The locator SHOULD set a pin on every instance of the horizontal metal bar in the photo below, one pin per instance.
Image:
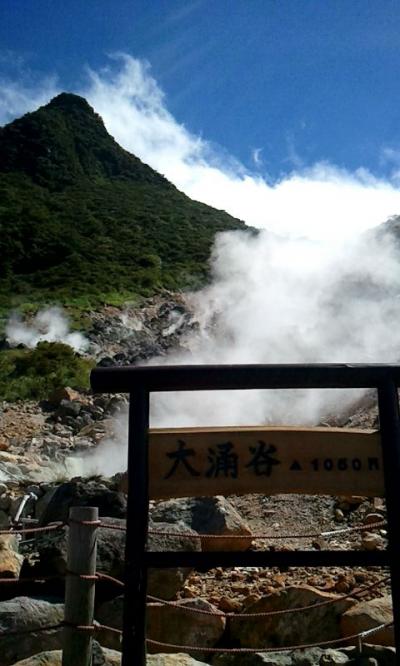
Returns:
(223, 377)
(295, 558)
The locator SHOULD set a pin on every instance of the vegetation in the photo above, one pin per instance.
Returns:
(36, 373)
(82, 221)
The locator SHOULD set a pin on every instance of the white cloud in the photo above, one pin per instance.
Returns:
(256, 156)
(22, 91)
(323, 201)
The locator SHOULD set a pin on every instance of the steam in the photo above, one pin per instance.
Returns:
(50, 325)
(276, 300)
(110, 455)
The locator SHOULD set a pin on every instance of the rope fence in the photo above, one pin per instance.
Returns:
(98, 576)
(94, 627)
(286, 611)
(28, 530)
(305, 535)
(304, 646)
(97, 627)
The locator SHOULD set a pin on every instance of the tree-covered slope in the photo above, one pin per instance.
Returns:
(83, 219)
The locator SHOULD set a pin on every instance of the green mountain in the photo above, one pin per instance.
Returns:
(84, 222)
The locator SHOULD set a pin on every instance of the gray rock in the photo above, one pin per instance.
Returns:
(43, 502)
(163, 583)
(254, 659)
(52, 549)
(69, 408)
(100, 657)
(311, 657)
(27, 614)
(311, 625)
(366, 615)
(172, 624)
(5, 520)
(167, 624)
(80, 492)
(110, 615)
(177, 659)
(385, 656)
(207, 515)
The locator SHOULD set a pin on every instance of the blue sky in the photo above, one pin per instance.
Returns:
(283, 112)
(299, 80)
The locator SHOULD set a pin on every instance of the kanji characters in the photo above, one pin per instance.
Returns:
(223, 461)
(180, 458)
(262, 461)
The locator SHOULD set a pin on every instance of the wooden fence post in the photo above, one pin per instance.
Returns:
(79, 593)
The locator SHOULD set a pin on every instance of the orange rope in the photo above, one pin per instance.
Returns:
(305, 646)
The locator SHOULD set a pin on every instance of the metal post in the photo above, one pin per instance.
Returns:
(134, 620)
(389, 417)
(79, 593)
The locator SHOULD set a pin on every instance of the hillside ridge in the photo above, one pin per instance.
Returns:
(83, 221)
(68, 136)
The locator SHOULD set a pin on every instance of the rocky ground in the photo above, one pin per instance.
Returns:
(37, 441)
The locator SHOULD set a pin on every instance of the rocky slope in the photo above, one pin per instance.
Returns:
(37, 443)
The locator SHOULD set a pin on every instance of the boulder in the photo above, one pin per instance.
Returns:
(64, 393)
(10, 560)
(382, 655)
(308, 626)
(68, 408)
(207, 515)
(82, 492)
(174, 624)
(178, 659)
(310, 657)
(100, 657)
(43, 502)
(110, 615)
(5, 520)
(28, 614)
(367, 615)
(164, 583)
(107, 657)
(166, 624)
(52, 549)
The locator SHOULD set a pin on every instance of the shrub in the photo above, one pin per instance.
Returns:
(33, 374)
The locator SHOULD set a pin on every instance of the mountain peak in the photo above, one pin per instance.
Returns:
(82, 218)
(65, 141)
(69, 101)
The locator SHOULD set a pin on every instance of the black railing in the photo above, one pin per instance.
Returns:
(139, 382)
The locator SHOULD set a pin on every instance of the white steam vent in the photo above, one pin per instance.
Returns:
(50, 325)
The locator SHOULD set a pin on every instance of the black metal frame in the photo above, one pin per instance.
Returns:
(139, 382)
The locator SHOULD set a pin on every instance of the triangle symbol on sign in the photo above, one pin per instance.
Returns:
(295, 466)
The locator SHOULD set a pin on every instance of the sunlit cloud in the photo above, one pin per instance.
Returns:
(321, 201)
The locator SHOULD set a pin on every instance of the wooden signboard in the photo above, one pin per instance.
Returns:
(267, 460)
